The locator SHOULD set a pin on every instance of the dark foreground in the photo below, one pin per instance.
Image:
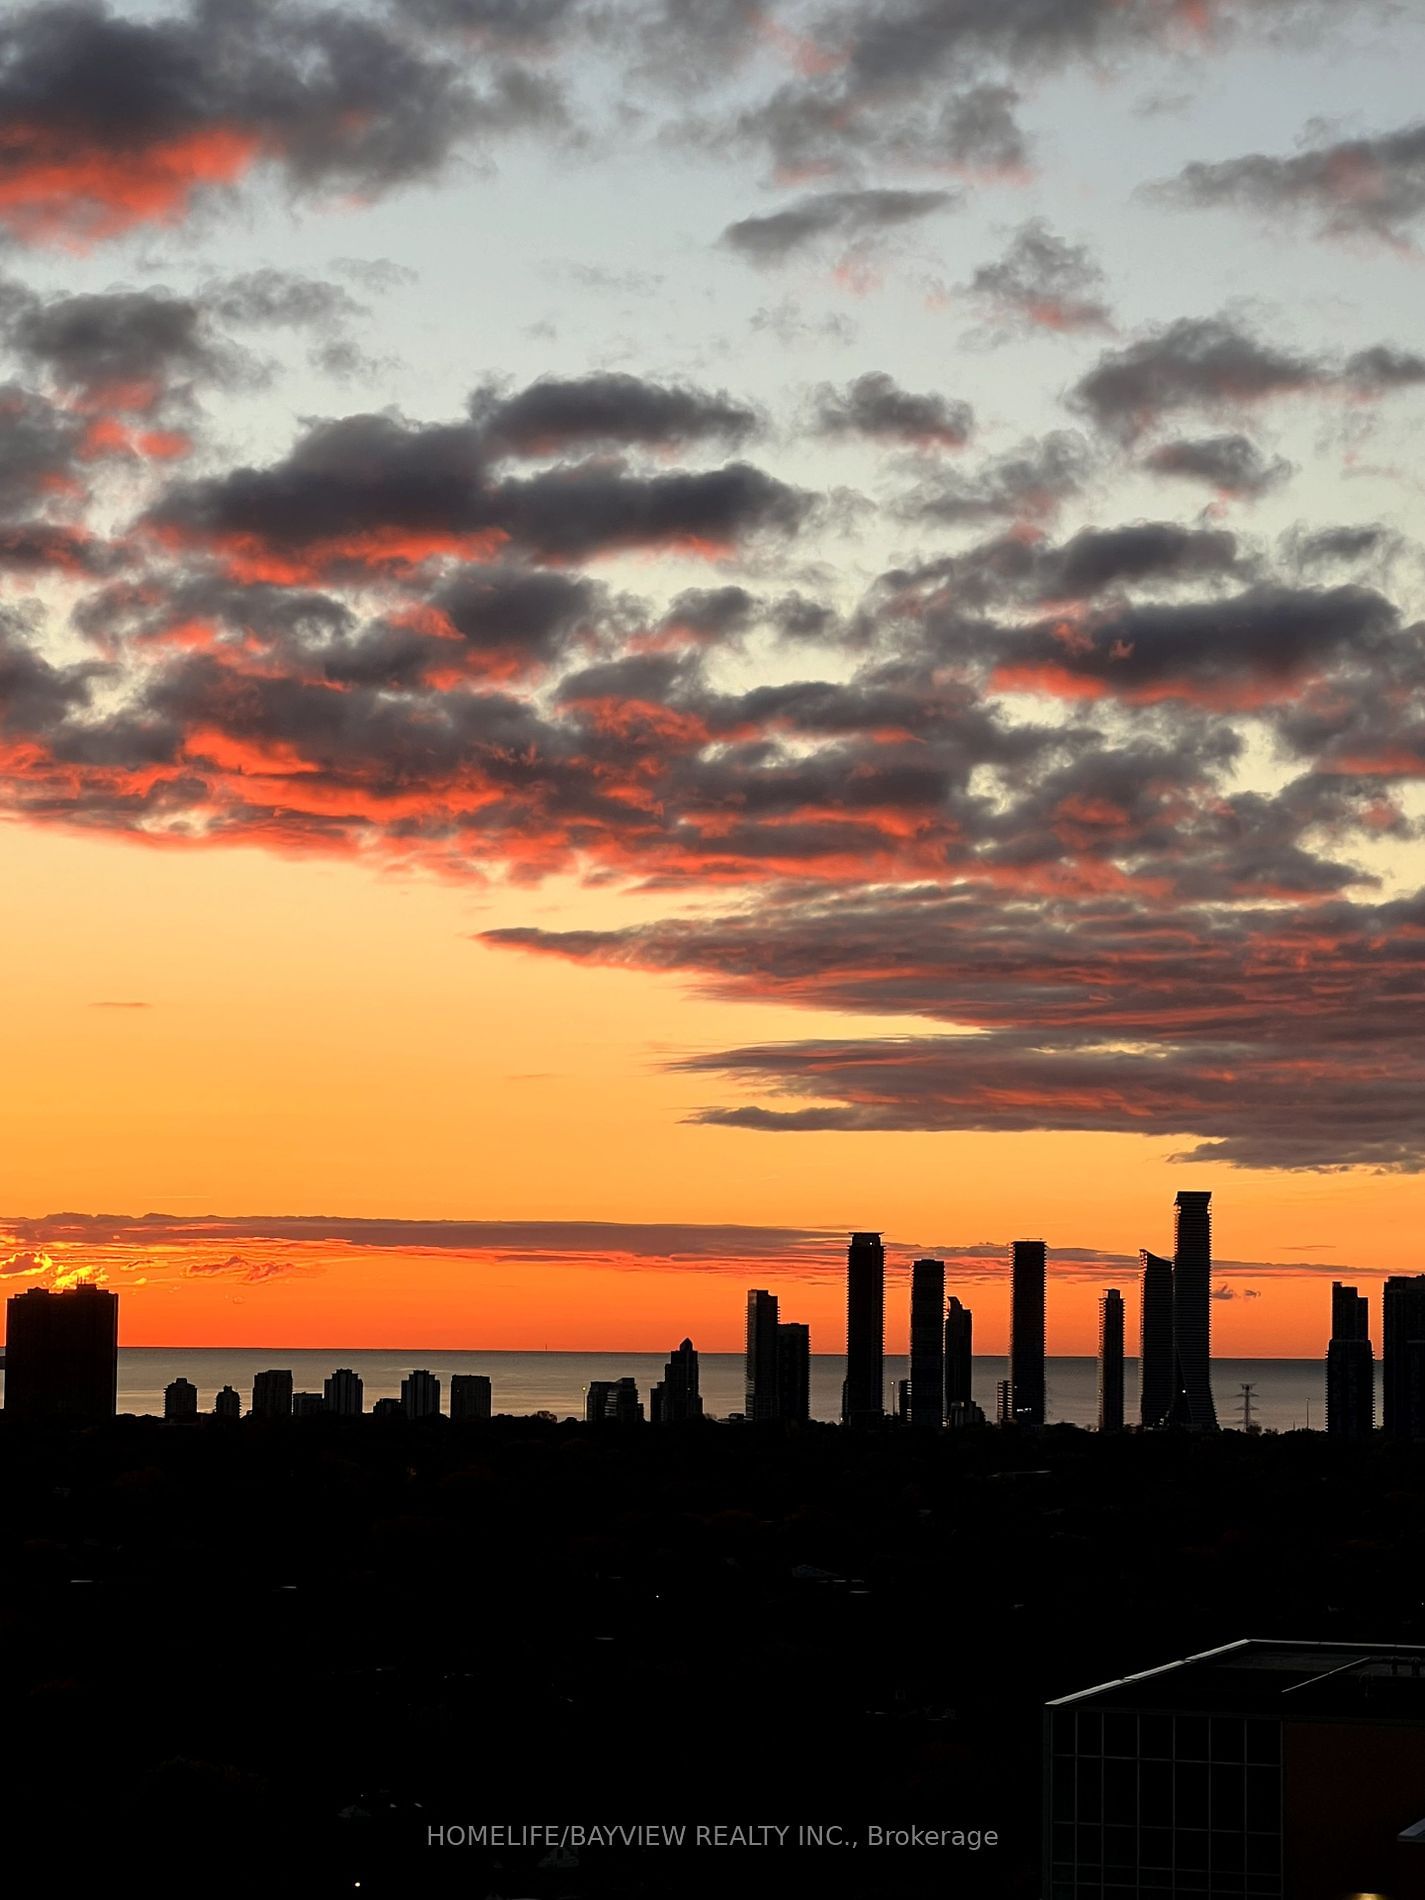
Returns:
(281, 1658)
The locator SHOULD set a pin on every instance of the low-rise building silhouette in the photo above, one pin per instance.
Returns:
(272, 1394)
(613, 1402)
(62, 1354)
(343, 1393)
(469, 1395)
(308, 1405)
(180, 1399)
(420, 1395)
(389, 1408)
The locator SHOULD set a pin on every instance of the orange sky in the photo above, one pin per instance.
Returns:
(321, 1037)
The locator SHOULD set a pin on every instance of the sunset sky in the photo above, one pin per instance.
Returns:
(637, 634)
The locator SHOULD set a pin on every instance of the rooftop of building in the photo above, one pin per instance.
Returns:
(1256, 1676)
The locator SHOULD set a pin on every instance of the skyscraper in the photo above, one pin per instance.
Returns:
(343, 1393)
(1110, 1362)
(676, 1399)
(1402, 1355)
(1026, 1332)
(272, 1394)
(180, 1399)
(794, 1371)
(227, 1404)
(1155, 1361)
(1192, 1312)
(1350, 1366)
(863, 1396)
(927, 1342)
(62, 1354)
(959, 1363)
(761, 1371)
(420, 1395)
(469, 1395)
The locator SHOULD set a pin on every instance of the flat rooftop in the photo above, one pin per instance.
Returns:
(1289, 1681)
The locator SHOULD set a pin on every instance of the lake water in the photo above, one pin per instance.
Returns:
(1289, 1393)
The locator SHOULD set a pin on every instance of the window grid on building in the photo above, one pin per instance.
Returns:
(1164, 1804)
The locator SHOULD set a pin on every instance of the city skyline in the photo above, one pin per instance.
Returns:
(854, 631)
(64, 1357)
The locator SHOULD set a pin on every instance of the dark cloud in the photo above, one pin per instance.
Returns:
(377, 491)
(1373, 371)
(1090, 1014)
(1368, 544)
(845, 215)
(517, 25)
(269, 298)
(1015, 568)
(815, 130)
(1042, 283)
(1194, 363)
(117, 121)
(558, 414)
(1029, 483)
(1214, 363)
(1361, 187)
(123, 350)
(1229, 653)
(875, 406)
(1232, 465)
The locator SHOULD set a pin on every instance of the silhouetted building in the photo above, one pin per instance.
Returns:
(1004, 1405)
(959, 1361)
(613, 1402)
(62, 1354)
(1156, 1376)
(308, 1405)
(1110, 1362)
(794, 1371)
(927, 1342)
(227, 1404)
(272, 1395)
(1350, 1366)
(343, 1393)
(420, 1395)
(1192, 1312)
(1402, 1355)
(180, 1399)
(1026, 1331)
(900, 1407)
(1278, 1770)
(863, 1396)
(388, 1408)
(676, 1398)
(469, 1395)
(761, 1369)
